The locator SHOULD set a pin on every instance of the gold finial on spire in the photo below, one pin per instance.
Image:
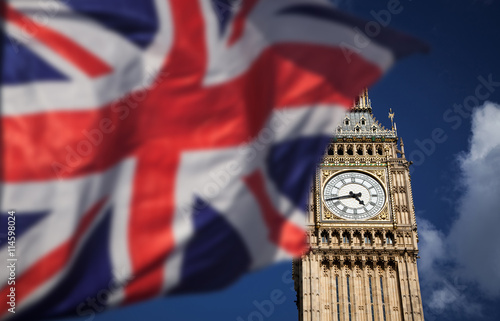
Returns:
(363, 103)
(391, 116)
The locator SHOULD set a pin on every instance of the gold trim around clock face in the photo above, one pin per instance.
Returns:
(377, 174)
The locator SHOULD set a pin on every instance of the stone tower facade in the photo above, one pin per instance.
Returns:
(361, 228)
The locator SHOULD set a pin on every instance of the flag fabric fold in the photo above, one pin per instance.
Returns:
(159, 147)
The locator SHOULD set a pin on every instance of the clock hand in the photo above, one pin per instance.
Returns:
(350, 195)
(354, 195)
(338, 198)
(357, 197)
(359, 200)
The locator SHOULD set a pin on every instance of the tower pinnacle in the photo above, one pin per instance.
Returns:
(363, 103)
(360, 122)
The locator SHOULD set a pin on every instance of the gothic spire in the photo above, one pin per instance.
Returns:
(363, 103)
(360, 122)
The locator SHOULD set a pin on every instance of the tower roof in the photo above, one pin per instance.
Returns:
(360, 122)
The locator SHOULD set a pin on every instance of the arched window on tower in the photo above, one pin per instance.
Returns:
(369, 150)
(389, 239)
(324, 237)
(336, 238)
(338, 301)
(349, 297)
(382, 296)
(371, 296)
(359, 150)
(379, 149)
(378, 239)
(340, 150)
(357, 239)
(350, 150)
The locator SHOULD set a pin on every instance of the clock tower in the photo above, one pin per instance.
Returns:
(361, 228)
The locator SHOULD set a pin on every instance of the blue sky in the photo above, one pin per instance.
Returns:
(454, 189)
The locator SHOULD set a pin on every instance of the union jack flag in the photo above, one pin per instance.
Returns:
(159, 147)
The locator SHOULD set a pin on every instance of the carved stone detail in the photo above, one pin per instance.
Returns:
(383, 246)
(326, 213)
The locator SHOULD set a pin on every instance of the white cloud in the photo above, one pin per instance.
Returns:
(468, 257)
(453, 297)
(443, 297)
(444, 292)
(432, 247)
(474, 237)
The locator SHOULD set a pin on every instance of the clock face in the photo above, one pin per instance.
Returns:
(354, 196)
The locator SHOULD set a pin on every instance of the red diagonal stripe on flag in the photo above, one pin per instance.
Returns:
(240, 20)
(81, 58)
(52, 263)
(282, 232)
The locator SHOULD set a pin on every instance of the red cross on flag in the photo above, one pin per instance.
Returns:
(157, 147)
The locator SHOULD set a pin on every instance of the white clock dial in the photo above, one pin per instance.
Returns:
(354, 196)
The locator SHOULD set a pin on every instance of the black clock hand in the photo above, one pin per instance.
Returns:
(338, 198)
(357, 197)
(354, 195)
(351, 195)
(359, 200)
